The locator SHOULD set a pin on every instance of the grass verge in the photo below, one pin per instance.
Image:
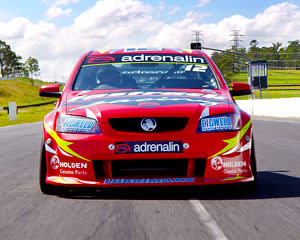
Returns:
(275, 77)
(26, 115)
(21, 92)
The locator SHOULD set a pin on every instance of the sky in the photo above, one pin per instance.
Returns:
(58, 32)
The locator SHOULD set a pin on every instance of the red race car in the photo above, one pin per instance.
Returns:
(146, 117)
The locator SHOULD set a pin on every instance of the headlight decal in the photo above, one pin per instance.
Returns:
(216, 124)
(62, 143)
(232, 142)
(76, 124)
(219, 123)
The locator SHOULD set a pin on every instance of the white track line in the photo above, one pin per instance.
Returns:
(287, 120)
(208, 221)
(21, 125)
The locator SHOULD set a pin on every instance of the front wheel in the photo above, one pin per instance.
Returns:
(250, 187)
(45, 187)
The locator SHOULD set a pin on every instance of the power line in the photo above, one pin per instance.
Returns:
(197, 36)
(272, 53)
(282, 60)
(236, 38)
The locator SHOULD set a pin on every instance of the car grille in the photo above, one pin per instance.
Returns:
(149, 168)
(164, 124)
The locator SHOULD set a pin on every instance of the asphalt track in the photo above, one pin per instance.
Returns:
(201, 213)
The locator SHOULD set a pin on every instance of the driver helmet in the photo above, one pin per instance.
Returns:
(110, 75)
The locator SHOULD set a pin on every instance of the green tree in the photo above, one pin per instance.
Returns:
(225, 63)
(291, 55)
(25, 71)
(253, 51)
(32, 66)
(9, 62)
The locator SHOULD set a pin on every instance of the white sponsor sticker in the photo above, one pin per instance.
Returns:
(217, 163)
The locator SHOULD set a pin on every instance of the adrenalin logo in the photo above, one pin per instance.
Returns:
(144, 58)
(100, 59)
(162, 58)
(149, 147)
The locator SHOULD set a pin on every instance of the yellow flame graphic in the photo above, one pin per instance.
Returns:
(64, 145)
(232, 142)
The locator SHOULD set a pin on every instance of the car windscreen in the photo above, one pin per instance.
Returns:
(145, 71)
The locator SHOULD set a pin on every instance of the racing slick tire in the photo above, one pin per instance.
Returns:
(247, 188)
(250, 187)
(44, 187)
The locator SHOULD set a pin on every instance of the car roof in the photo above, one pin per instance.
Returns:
(146, 51)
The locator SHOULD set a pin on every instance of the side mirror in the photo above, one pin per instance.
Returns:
(240, 89)
(51, 90)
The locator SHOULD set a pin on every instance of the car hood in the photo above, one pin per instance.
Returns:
(158, 103)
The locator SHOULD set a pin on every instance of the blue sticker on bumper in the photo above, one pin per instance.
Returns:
(148, 180)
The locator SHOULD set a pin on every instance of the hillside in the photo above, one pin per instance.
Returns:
(20, 91)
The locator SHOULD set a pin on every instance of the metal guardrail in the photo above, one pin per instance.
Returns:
(284, 85)
(27, 106)
(284, 89)
(276, 87)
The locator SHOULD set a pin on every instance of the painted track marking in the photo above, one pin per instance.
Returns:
(208, 221)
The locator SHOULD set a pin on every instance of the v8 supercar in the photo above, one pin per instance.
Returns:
(146, 117)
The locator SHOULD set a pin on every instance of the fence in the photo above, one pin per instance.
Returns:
(27, 106)
(272, 86)
(8, 78)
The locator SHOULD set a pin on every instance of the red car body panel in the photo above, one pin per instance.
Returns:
(88, 160)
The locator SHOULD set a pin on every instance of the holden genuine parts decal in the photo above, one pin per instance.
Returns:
(135, 98)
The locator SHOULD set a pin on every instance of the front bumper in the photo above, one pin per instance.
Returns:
(89, 160)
